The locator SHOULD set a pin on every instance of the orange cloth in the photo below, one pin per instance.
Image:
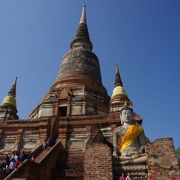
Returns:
(129, 136)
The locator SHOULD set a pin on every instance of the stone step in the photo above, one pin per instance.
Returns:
(138, 172)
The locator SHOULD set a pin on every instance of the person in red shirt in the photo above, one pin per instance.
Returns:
(122, 177)
(17, 162)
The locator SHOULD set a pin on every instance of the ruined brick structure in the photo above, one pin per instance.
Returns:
(162, 160)
(79, 117)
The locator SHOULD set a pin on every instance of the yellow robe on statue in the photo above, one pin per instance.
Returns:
(129, 136)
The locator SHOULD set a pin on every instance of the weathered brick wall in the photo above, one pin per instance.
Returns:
(98, 162)
(162, 161)
(75, 166)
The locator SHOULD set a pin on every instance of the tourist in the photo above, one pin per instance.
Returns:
(21, 156)
(3, 164)
(32, 158)
(12, 165)
(9, 162)
(15, 156)
(48, 141)
(17, 161)
(129, 177)
(122, 177)
(7, 159)
(44, 145)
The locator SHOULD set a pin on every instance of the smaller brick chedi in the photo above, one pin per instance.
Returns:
(78, 131)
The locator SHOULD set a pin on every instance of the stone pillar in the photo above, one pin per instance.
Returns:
(98, 162)
(97, 158)
(69, 108)
(162, 162)
(18, 139)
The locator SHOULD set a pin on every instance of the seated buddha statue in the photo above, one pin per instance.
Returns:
(129, 138)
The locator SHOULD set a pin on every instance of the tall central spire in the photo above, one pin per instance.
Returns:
(83, 15)
(82, 35)
(80, 60)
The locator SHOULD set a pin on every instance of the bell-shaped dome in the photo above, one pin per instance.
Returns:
(9, 101)
(118, 90)
(80, 61)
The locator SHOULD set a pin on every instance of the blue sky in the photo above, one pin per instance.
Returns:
(142, 37)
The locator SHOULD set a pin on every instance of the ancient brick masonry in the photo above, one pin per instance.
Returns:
(78, 113)
(162, 161)
(97, 159)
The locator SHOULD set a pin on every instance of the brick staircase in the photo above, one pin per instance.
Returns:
(41, 156)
